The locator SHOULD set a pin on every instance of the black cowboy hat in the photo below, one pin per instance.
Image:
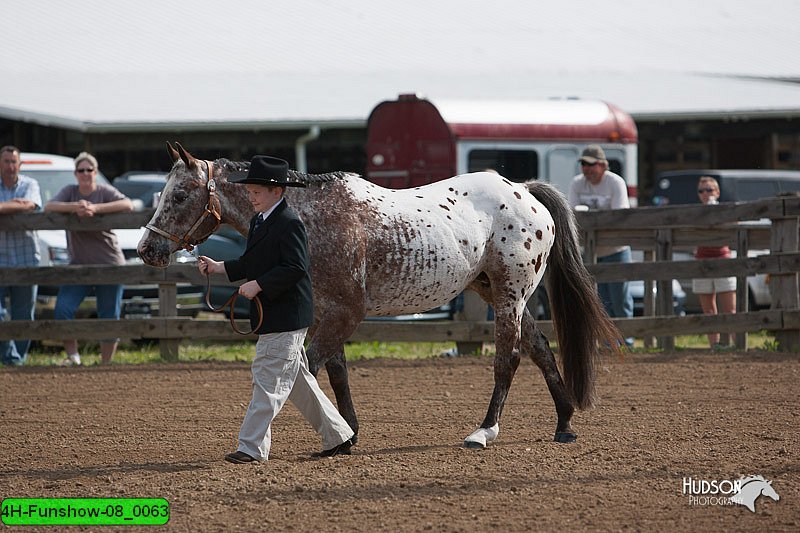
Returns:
(266, 170)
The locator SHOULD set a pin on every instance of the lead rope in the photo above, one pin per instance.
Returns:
(230, 303)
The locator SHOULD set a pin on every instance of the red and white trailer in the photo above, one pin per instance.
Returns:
(412, 141)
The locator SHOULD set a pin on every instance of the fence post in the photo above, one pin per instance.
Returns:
(664, 293)
(475, 310)
(168, 307)
(590, 247)
(742, 293)
(784, 288)
(649, 303)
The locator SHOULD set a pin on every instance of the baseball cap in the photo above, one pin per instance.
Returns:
(592, 154)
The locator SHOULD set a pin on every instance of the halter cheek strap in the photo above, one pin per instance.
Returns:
(212, 210)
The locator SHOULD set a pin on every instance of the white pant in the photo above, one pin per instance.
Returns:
(712, 285)
(280, 372)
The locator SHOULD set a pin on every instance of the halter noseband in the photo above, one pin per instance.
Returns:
(212, 209)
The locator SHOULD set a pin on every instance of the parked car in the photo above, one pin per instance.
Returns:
(141, 187)
(680, 186)
(53, 172)
(736, 185)
(637, 291)
(678, 297)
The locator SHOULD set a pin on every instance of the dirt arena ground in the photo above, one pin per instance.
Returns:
(161, 431)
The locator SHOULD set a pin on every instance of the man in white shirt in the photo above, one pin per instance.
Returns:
(598, 188)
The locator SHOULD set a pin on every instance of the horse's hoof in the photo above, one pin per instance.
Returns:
(354, 439)
(565, 437)
(472, 445)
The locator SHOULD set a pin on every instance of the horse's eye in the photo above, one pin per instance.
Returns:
(180, 196)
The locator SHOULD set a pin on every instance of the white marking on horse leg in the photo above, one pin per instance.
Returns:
(481, 437)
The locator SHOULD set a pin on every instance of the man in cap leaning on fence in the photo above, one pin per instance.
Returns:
(598, 188)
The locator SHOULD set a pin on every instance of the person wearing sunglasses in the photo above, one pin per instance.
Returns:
(598, 188)
(715, 294)
(88, 198)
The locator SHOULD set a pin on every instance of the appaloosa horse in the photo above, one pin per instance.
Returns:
(383, 252)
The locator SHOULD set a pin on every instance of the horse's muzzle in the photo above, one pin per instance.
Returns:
(153, 253)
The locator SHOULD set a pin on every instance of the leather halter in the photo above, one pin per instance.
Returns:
(212, 209)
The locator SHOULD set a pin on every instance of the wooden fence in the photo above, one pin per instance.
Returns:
(658, 231)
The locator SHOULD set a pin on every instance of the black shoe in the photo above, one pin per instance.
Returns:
(341, 449)
(240, 458)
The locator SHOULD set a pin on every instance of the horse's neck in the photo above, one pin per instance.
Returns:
(235, 206)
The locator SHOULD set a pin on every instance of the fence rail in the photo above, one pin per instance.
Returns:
(657, 230)
(388, 331)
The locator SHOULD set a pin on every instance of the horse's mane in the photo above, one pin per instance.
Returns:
(232, 166)
(317, 179)
(308, 179)
(748, 479)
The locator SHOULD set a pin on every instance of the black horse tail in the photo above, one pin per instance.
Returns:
(580, 321)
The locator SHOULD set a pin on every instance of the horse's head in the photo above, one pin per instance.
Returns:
(189, 209)
(751, 488)
(767, 490)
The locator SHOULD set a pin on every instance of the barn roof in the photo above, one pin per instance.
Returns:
(96, 66)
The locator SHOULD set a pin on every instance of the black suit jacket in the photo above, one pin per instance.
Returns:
(277, 258)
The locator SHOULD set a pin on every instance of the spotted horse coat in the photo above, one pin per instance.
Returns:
(383, 252)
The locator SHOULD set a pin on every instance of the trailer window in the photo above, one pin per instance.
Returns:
(516, 165)
(615, 166)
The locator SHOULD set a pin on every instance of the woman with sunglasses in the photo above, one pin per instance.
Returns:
(86, 199)
(715, 294)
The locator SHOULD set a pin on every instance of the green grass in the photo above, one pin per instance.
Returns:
(755, 341)
(129, 353)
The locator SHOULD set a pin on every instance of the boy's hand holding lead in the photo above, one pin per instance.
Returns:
(209, 266)
(250, 289)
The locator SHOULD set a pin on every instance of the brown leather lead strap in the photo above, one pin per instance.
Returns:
(230, 303)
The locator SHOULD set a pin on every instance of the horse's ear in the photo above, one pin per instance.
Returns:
(173, 153)
(188, 159)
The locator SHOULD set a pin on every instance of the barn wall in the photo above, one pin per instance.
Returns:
(664, 145)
